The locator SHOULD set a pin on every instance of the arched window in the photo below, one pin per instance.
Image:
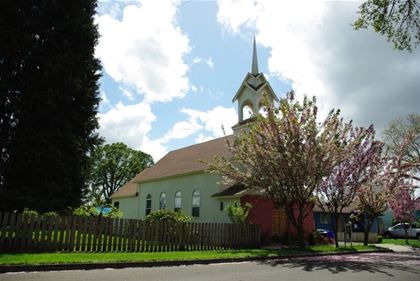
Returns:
(162, 201)
(148, 204)
(196, 203)
(178, 200)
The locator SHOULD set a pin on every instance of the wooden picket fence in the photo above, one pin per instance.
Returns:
(24, 233)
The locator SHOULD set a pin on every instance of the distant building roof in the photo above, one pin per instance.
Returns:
(346, 210)
(127, 190)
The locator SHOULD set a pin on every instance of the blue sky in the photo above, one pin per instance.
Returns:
(171, 68)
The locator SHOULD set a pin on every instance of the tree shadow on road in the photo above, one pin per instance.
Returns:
(372, 263)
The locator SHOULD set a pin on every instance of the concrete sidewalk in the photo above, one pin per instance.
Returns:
(398, 248)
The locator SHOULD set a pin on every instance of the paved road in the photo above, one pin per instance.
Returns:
(372, 267)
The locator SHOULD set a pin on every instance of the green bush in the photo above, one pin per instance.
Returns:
(286, 239)
(28, 212)
(311, 239)
(238, 213)
(168, 215)
(90, 211)
(380, 239)
(85, 211)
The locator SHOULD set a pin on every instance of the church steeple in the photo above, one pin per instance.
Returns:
(251, 92)
(254, 59)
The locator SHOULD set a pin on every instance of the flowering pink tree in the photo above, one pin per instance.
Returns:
(387, 187)
(285, 155)
(399, 177)
(355, 168)
(404, 206)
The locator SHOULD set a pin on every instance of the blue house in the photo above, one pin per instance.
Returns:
(322, 218)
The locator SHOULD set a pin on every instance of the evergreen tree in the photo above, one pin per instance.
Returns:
(49, 99)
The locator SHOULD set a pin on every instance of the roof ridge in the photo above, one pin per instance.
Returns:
(200, 143)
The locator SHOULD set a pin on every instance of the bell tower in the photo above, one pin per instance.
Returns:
(251, 92)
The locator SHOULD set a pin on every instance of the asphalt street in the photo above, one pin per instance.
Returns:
(369, 266)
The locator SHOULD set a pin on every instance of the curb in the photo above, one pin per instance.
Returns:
(121, 265)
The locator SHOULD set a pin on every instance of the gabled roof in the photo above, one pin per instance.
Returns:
(178, 162)
(262, 86)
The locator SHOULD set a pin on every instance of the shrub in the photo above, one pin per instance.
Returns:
(168, 215)
(286, 239)
(311, 239)
(90, 211)
(85, 211)
(320, 239)
(275, 239)
(238, 213)
(380, 239)
(28, 212)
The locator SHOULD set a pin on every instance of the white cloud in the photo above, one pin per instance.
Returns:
(182, 130)
(104, 99)
(214, 119)
(284, 26)
(127, 123)
(208, 61)
(145, 48)
(314, 48)
(210, 121)
(127, 93)
(155, 148)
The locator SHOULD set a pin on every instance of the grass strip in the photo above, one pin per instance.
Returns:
(61, 258)
(411, 242)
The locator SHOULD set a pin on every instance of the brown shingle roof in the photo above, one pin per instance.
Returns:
(127, 190)
(179, 162)
(236, 190)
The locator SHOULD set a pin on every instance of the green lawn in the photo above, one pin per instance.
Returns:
(411, 242)
(57, 258)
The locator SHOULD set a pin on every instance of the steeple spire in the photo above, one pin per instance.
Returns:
(254, 59)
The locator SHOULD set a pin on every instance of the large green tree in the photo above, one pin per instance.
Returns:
(114, 165)
(396, 132)
(398, 20)
(48, 102)
(285, 155)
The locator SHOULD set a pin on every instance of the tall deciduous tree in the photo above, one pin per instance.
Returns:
(285, 155)
(400, 177)
(372, 201)
(404, 206)
(114, 165)
(48, 102)
(395, 175)
(396, 132)
(357, 167)
(398, 20)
